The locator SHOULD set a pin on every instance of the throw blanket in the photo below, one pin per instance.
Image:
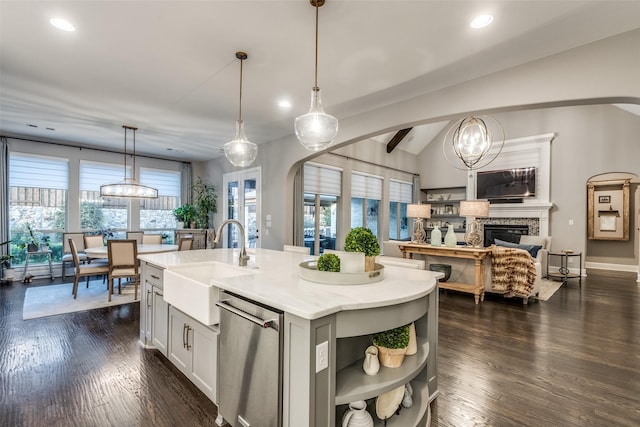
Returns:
(513, 271)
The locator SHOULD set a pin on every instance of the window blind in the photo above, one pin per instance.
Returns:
(366, 186)
(400, 191)
(322, 180)
(95, 174)
(26, 170)
(167, 182)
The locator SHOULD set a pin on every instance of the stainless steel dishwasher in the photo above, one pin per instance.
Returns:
(250, 363)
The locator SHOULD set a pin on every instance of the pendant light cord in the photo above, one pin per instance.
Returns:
(125, 152)
(240, 108)
(316, 70)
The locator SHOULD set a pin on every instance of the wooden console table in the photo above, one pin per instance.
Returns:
(477, 254)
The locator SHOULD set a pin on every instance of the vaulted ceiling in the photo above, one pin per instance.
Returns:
(169, 67)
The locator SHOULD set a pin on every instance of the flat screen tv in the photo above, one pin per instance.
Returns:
(507, 184)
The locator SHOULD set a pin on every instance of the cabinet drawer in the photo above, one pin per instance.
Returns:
(153, 275)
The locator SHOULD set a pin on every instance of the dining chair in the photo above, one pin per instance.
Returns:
(298, 249)
(185, 244)
(67, 256)
(123, 263)
(136, 235)
(152, 239)
(93, 242)
(84, 270)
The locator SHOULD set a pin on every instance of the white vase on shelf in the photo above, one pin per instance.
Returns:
(450, 238)
(371, 364)
(357, 415)
(436, 236)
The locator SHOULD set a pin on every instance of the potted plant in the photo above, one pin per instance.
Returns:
(32, 240)
(361, 239)
(329, 262)
(205, 202)
(392, 346)
(185, 214)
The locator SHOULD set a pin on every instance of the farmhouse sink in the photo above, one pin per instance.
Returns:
(190, 288)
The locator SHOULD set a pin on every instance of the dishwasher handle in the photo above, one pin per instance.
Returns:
(265, 324)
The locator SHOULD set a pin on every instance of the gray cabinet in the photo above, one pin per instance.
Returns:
(160, 320)
(153, 309)
(193, 349)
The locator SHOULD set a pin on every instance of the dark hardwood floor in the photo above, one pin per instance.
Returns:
(572, 360)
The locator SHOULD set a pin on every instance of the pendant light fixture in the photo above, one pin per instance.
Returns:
(129, 187)
(240, 151)
(316, 130)
(475, 141)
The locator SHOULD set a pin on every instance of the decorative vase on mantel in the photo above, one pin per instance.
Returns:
(450, 239)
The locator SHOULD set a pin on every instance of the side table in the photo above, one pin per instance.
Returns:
(36, 253)
(563, 271)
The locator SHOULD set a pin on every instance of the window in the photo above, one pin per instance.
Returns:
(102, 213)
(366, 193)
(156, 215)
(38, 187)
(322, 188)
(400, 194)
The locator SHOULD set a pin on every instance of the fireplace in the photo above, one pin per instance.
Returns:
(507, 232)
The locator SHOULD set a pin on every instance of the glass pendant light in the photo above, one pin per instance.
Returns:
(240, 151)
(129, 187)
(316, 130)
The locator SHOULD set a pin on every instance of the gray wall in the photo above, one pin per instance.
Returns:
(591, 140)
(601, 72)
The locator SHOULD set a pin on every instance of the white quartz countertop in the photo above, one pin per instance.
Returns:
(275, 282)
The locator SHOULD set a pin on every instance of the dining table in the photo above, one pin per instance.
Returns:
(101, 251)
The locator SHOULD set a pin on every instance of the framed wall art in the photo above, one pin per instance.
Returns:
(608, 210)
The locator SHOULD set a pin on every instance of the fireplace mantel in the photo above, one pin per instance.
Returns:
(523, 210)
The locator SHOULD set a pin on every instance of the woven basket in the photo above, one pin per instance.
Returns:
(391, 357)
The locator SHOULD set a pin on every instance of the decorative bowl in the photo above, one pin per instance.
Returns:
(442, 268)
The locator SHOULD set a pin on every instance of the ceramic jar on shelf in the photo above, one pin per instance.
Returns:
(357, 415)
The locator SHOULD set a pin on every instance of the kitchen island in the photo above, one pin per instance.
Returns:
(324, 332)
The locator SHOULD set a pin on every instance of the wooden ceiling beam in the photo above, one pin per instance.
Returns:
(399, 136)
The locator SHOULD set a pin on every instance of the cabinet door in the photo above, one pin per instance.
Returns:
(204, 370)
(178, 353)
(160, 321)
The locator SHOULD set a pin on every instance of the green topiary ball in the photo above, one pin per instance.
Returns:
(361, 239)
(393, 338)
(329, 262)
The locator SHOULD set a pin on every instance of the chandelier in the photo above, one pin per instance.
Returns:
(316, 130)
(240, 151)
(475, 141)
(129, 187)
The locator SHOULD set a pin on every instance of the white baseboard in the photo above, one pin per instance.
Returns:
(613, 267)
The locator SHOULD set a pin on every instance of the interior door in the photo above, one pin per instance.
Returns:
(243, 203)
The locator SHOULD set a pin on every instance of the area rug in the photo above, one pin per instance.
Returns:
(50, 300)
(548, 288)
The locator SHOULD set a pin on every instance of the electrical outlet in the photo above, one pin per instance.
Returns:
(322, 356)
(570, 222)
(570, 259)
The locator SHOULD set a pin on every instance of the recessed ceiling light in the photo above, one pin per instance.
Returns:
(62, 24)
(481, 21)
(284, 104)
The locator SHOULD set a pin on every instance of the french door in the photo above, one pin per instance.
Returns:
(242, 202)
